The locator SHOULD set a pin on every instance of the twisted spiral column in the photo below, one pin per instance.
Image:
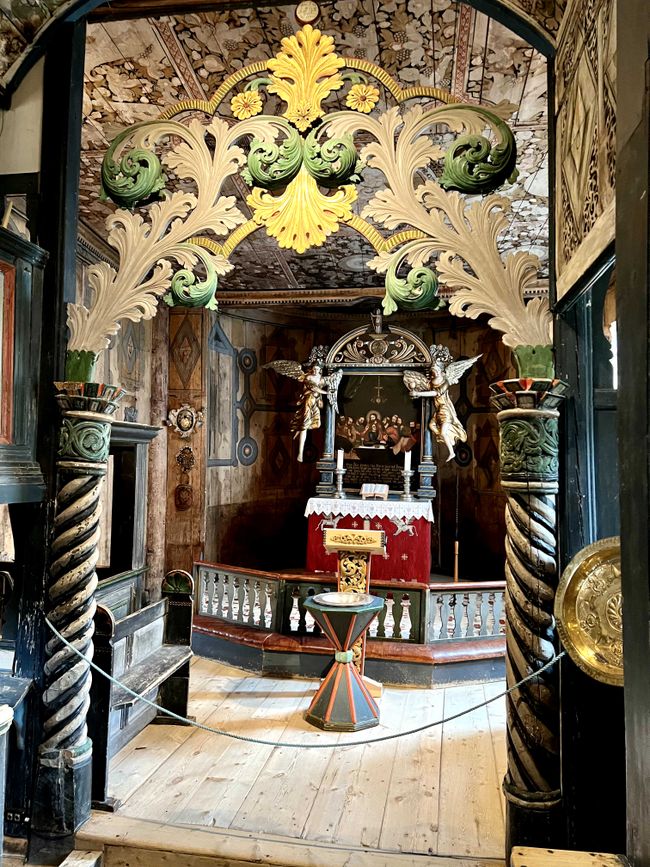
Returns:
(87, 410)
(528, 453)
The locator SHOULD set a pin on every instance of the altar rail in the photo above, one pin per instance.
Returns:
(416, 613)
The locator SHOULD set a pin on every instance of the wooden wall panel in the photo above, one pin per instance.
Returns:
(256, 490)
(585, 113)
(185, 528)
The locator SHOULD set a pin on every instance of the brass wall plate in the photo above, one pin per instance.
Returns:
(589, 611)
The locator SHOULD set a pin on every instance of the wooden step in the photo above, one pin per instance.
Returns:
(130, 842)
(526, 856)
(83, 858)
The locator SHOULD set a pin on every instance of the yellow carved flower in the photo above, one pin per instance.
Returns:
(362, 97)
(245, 105)
(302, 114)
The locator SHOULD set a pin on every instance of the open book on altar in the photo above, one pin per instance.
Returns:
(370, 491)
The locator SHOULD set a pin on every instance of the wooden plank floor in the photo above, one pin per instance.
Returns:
(436, 793)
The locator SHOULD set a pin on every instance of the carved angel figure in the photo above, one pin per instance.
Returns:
(444, 372)
(314, 385)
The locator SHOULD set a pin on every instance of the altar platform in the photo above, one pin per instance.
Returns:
(198, 799)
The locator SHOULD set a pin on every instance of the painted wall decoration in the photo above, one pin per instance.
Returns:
(255, 488)
(185, 514)
(585, 109)
(303, 166)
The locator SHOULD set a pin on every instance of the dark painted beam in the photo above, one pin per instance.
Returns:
(56, 232)
(633, 310)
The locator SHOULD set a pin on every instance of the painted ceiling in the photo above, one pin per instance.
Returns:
(23, 22)
(136, 68)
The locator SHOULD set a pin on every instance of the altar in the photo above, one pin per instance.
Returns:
(382, 396)
(407, 525)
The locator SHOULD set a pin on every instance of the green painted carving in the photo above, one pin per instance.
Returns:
(334, 162)
(185, 290)
(534, 362)
(473, 165)
(177, 581)
(136, 178)
(80, 365)
(256, 83)
(417, 291)
(82, 439)
(528, 448)
(270, 165)
(353, 76)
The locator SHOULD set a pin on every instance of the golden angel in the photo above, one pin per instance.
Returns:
(315, 386)
(444, 372)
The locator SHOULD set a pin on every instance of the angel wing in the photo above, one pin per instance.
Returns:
(287, 368)
(455, 369)
(415, 381)
(331, 384)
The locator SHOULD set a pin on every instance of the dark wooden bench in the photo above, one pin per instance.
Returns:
(149, 652)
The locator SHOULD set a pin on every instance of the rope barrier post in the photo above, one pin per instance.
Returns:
(527, 412)
(63, 783)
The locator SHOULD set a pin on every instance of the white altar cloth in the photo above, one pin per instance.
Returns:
(358, 508)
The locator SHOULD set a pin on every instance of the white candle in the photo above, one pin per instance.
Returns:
(407, 461)
(339, 459)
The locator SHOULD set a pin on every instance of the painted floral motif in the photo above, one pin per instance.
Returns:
(245, 105)
(362, 97)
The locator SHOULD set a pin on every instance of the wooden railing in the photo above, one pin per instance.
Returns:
(465, 610)
(242, 596)
(416, 613)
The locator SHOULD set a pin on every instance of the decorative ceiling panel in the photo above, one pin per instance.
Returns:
(23, 22)
(135, 69)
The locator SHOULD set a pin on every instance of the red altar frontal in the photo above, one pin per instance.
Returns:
(407, 525)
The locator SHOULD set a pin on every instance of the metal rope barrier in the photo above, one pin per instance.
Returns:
(331, 746)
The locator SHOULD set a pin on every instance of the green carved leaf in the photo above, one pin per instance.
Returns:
(417, 291)
(271, 165)
(186, 291)
(256, 83)
(334, 162)
(473, 165)
(135, 178)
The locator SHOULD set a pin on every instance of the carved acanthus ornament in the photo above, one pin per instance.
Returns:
(303, 169)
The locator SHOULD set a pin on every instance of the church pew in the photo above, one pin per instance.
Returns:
(149, 652)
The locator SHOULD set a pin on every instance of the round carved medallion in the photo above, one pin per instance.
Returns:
(589, 611)
(307, 12)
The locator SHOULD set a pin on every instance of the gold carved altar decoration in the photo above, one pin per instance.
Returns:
(354, 549)
(304, 166)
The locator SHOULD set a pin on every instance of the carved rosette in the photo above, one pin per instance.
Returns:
(527, 411)
(87, 410)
